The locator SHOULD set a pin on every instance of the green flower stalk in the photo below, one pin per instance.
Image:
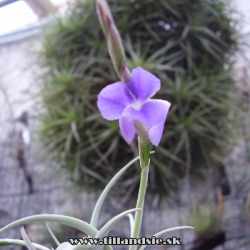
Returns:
(130, 104)
(144, 159)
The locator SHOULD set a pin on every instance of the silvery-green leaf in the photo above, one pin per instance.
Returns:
(66, 220)
(84, 247)
(96, 212)
(26, 239)
(132, 223)
(14, 242)
(110, 224)
(52, 234)
(65, 246)
(167, 231)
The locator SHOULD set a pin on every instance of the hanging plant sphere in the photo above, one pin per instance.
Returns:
(186, 44)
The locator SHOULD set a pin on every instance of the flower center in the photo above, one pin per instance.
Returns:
(137, 105)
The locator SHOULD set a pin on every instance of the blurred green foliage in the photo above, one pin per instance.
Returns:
(204, 219)
(187, 44)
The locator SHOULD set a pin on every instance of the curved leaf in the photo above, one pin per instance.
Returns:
(65, 246)
(96, 211)
(66, 220)
(167, 231)
(89, 247)
(110, 224)
(26, 239)
(132, 223)
(52, 234)
(14, 242)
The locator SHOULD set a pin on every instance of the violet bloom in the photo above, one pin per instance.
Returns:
(130, 102)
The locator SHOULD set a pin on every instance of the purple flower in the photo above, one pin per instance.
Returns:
(130, 102)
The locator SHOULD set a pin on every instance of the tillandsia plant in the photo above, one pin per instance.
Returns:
(129, 101)
(208, 224)
(185, 43)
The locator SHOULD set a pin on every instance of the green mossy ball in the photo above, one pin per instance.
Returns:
(184, 43)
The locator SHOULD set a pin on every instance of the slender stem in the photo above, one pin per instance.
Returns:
(144, 156)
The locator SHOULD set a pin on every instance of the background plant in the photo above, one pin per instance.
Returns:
(205, 220)
(187, 44)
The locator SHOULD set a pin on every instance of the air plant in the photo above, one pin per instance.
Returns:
(129, 101)
(208, 224)
(186, 44)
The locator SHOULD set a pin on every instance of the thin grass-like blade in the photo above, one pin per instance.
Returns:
(211, 34)
(52, 234)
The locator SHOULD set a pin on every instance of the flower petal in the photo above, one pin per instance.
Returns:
(112, 100)
(151, 113)
(143, 84)
(155, 133)
(128, 128)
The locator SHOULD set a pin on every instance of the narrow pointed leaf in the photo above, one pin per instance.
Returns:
(211, 34)
(52, 234)
(66, 220)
